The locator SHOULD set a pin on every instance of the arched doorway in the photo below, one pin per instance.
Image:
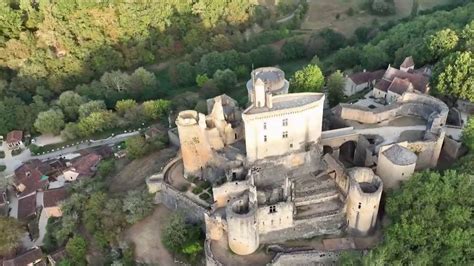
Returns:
(347, 151)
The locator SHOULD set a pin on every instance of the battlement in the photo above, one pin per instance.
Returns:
(187, 118)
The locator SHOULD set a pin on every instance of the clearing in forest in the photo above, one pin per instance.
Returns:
(334, 14)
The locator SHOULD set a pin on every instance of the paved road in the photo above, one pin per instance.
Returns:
(14, 162)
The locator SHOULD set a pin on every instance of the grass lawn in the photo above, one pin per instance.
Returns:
(322, 14)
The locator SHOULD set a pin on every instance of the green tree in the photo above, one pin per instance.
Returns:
(335, 85)
(70, 131)
(309, 79)
(294, 48)
(374, 57)
(136, 146)
(97, 122)
(50, 122)
(91, 107)
(11, 232)
(106, 167)
(137, 205)
(454, 76)
(431, 222)
(124, 106)
(70, 102)
(224, 79)
(182, 238)
(156, 109)
(468, 134)
(201, 79)
(443, 42)
(76, 249)
(10, 22)
(184, 73)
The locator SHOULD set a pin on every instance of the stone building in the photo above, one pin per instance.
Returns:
(276, 176)
(395, 82)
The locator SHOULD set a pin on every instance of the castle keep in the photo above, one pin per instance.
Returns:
(275, 176)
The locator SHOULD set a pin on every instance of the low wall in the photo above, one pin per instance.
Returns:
(452, 148)
(173, 136)
(175, 200)
(210, 259)
(310, 257)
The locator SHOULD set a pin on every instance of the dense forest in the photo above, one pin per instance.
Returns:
(88, 48)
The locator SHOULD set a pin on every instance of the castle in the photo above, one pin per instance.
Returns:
(276, 176)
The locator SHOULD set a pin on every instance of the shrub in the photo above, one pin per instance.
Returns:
(204, 196)
(2, 167)
(2, 154)
(197, 190)
(350, 12)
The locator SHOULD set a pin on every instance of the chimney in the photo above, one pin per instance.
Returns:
(268, 100)
(259, 91)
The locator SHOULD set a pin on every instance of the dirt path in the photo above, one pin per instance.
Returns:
(146, 235)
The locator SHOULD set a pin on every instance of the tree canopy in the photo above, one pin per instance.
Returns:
(11, 232)
(454, 76)
(309, 79)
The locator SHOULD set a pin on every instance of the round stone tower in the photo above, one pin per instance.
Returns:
(242, 228)
(195, 147)
(272, 77)
(363, 199)
(395, 164)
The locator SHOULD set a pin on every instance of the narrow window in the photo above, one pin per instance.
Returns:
(285, 134)
(360, 205)
(285, 122)
(272, 209)
(265, 138)
(291, 145)
(264, 125)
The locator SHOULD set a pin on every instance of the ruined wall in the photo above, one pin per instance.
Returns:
(281, 218)
(229, 190)
(452, 148)
(308, 257)
(175, 200)
(337, 171)
(307, 228)
(215, 226)
(363, 200)
(428, 151)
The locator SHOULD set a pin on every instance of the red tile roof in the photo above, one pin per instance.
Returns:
(52, 197)
(27, 206)
(83, 164)
(366, 76)
(420, 82)
(382, 85)
(399, 86)
(14, 136)
(33, 175)
(29, 257)
(408, 62)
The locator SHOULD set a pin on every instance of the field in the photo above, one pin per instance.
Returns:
(322, 14)
(134, 173)
(146, 236)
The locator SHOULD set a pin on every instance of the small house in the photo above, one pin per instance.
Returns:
(52, 199)
(14, 140)
(84, 166)
(29, 258)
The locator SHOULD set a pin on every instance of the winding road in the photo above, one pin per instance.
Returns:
(13, 162)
